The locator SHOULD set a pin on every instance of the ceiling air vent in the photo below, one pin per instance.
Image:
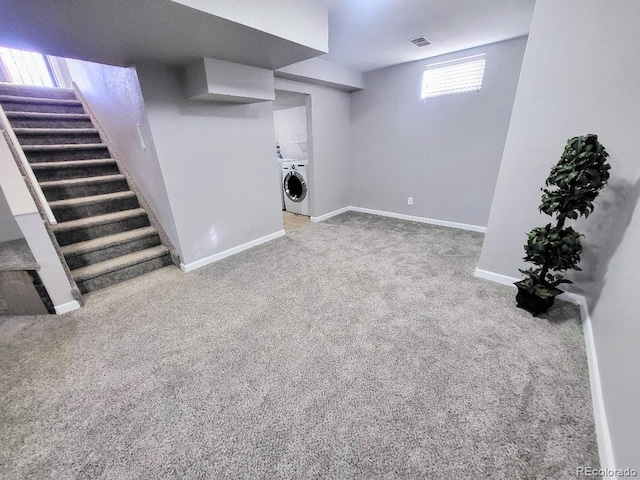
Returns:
(421, 41)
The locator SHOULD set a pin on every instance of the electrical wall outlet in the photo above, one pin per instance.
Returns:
(409, 200)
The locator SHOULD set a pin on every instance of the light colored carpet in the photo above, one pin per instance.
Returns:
(361, 347)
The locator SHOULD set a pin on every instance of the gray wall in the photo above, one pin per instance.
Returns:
(328, 112)
(290, 122)
(616, 330)
(115, 98)
(218, 163)
(9, 229)
(575, 82)
(445, 151)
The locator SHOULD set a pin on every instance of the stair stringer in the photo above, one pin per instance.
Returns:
(164, 238)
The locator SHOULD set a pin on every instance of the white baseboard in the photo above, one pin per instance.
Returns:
(401, 216)
(412, 218)
(232, 251)
(496, 277)
(330, 214)
(605, 448)
(66, 307)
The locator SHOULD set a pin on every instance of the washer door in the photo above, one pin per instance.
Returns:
(295, 187)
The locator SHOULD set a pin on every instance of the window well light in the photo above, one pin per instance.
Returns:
(454, 76)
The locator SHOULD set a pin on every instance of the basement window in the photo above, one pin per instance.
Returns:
(26, 68)
(454, 76)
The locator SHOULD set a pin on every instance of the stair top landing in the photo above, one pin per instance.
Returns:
(14, 89)
(40, 100)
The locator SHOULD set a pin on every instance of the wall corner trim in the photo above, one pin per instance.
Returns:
(412, 218)
(231, 251)
(330, 214)
(603, 436)
(495, 277)
(66, 307)
(401, 216)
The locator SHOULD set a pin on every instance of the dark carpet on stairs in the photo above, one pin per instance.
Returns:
(362, 347)
(105, 234)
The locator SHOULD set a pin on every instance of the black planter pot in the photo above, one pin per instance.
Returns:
(532, 303)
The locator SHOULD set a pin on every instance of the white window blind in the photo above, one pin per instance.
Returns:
(455, 76)
(27, 68)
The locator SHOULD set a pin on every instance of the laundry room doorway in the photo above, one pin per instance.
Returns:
(291, 113)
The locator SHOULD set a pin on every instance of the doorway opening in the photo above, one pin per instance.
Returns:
(291, 112)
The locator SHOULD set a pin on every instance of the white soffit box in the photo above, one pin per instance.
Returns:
(217, 80)
(323, 72)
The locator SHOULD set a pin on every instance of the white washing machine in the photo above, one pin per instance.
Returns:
(295, 186)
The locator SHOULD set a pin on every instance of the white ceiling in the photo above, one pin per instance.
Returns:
(371, 34)
(363, 34)
(125, 32)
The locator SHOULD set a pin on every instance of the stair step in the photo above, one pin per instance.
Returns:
(57, 136)
(55, 131)
(102, 268)
(83, 186)
(72, 169)
(48, 116)
(73, 164)
(93, 199)
(108, 241)
(84, 204)
(90, 222)
(55, 152)
(114, 244)
(68, 146)
(77, 182)
(40, 100)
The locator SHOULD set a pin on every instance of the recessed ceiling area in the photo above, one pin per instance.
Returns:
(371, 34)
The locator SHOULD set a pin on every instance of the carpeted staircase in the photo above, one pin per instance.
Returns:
(104, 234)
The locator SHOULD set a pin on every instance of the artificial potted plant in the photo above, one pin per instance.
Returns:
(572, 186)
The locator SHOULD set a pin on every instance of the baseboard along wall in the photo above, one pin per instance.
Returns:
(401, 216)
(231, 251)
(605, 447)
(330, 214)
